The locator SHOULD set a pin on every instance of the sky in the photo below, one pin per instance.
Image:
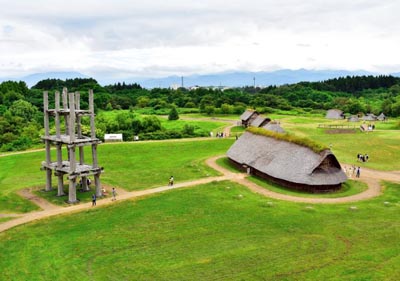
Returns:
(158, 38)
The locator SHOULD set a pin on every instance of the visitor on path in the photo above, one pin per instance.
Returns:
(94, 199)
(358, 172)
(114, 194)
(171, 181)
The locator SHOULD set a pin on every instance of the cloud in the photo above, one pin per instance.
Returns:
(157, 38)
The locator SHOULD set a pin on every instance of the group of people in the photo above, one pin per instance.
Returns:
(362, 157)
(352, 171)
(113, 193)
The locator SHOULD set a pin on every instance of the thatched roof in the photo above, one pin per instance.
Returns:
(247, 115)
(369, 117)
(287, 161)
(271, 126)
(259, 121)
(381, 117)
(334, 114)
(353, 118)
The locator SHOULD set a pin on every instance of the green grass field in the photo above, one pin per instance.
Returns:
(132, 166)
(382, 146)
(218, 231)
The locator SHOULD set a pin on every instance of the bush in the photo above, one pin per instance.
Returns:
(173, 114)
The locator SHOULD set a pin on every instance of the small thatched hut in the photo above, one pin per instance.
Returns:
(369, 117)
(353, 118)
(260, 121)
(286, 163)
(273, 126)
(248, 116)
(381, 117)
(334, 114)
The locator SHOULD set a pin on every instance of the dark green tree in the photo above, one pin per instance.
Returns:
(173, 114)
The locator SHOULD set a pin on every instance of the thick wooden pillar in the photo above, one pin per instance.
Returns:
(65, 108)
(47, 141)
(60, 189)
(97, 183)
(91, 109)
(72, 191)
(57, 121)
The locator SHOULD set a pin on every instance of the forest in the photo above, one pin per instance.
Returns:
(21, 117)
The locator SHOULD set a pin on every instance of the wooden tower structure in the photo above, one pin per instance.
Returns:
(74, 166)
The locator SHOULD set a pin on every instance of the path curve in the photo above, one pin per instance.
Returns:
(371, 177)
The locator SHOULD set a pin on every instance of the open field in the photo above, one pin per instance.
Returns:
(382, 146)
(132, 166)
(215, 231)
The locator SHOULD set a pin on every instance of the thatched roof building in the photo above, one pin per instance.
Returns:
(273, 126)
(248, 116)
(381, 117)
(286, 163)
(260, 121)
(369, 117)
(334, 114)
(353, 118)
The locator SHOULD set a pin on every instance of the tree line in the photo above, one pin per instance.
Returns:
(21, 117)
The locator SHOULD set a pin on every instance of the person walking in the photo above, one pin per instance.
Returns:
(358, 172)
(94, 199)
(171, 181)
(114, 194)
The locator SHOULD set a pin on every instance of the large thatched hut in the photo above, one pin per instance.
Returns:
(286, 163)
(247, 117)
(334, 114)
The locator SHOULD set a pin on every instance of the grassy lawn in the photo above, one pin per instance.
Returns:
(132, 166)
(382, 146)
(199, 126)
(218, 231)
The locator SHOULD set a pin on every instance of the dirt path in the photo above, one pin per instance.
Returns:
(371, 177)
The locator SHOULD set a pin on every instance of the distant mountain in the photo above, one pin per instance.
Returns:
(228, 79)
(240, 79)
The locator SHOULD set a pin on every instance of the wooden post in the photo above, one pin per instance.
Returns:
(72, 190)
(46, 113)
(91, 109)
(71, 118)
(48, 180)
(47, 141)
(57, 121)
(65, 107)
(97, 183)
(60, 191)
(85, 186)
(72, 159)
(94, 156)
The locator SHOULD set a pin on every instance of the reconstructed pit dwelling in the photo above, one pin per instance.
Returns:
(73, 139)
(287, 164)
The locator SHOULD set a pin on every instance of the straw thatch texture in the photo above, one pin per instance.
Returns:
(260, 121)
(334, 114)
(287, 163)
(275, 127)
